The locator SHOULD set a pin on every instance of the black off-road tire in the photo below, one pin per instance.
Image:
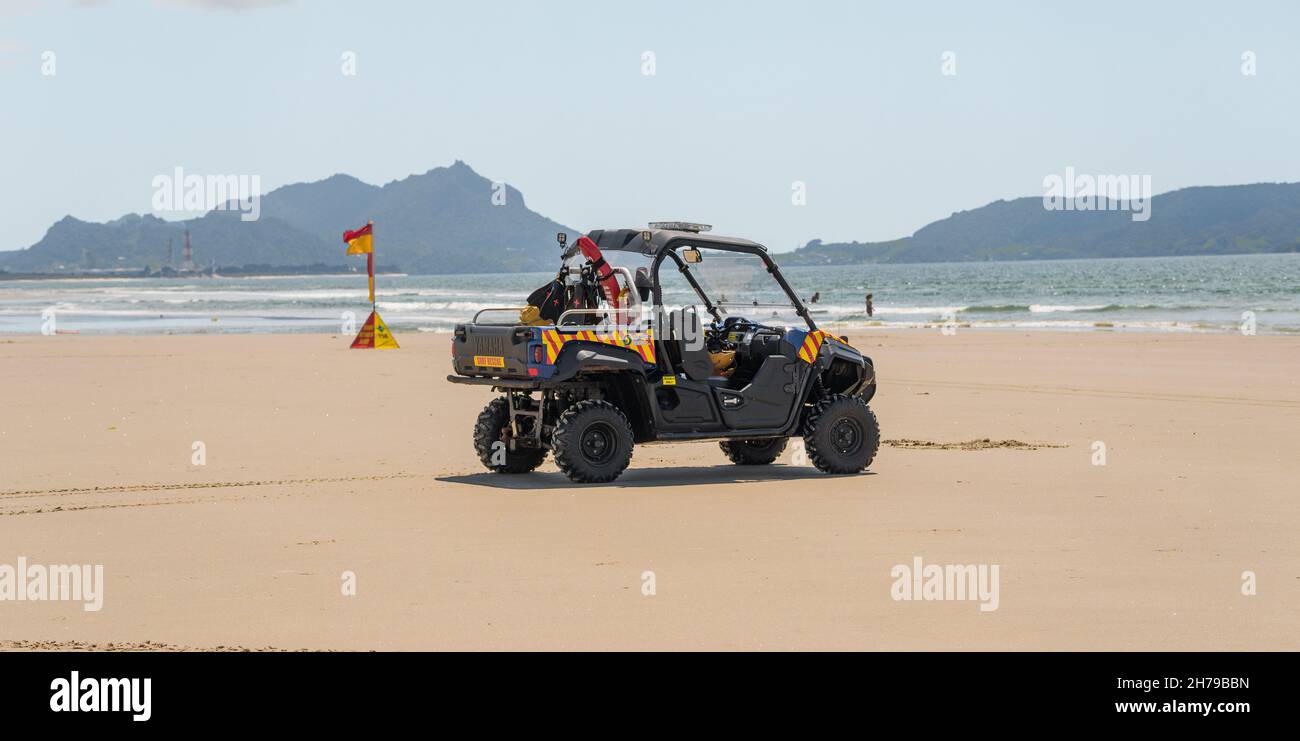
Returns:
(492, 426)
(592, 442)
(754, 452)
(841, 434)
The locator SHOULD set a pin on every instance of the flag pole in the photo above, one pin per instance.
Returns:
(370, 267)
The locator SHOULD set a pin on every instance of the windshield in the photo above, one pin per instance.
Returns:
(736, 282)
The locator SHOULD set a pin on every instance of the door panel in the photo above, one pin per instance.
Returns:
(688, 405)
(767, 400)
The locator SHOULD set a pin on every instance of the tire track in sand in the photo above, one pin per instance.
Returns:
(215, 487)
(19, 493)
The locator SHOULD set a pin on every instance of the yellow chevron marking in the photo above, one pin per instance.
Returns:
(812, 346)
(555, 340)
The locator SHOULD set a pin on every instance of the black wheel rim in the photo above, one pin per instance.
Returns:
(598, 443)
(846, 436)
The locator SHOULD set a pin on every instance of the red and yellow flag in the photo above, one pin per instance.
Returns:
(374, 333)
(360, 241)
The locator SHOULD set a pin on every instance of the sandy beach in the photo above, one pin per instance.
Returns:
(321, 461)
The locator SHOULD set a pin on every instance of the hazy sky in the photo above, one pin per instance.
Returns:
(746, 99)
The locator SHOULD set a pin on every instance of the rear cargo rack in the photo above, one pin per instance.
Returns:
(515, 309)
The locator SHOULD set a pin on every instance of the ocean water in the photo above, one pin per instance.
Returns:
(1180, 294)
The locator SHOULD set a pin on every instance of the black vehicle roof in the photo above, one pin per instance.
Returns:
(630, 240)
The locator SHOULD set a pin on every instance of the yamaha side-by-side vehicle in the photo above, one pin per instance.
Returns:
(600, 361)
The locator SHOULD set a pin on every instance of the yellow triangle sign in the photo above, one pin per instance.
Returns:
(384, 339)
(374, 334)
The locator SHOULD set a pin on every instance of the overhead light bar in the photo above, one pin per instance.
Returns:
(681, 226)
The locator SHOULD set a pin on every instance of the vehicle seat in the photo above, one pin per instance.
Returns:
(695, 363)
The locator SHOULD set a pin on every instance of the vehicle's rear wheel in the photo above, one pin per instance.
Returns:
(592, 442)
(841, 434)
(492, 441)
(753, 452)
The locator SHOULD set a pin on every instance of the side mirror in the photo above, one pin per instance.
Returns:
(692, 255)
(562, 238)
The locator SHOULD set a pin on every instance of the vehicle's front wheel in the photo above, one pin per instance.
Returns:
(753, 452)
(841, 434)
(592, 442)
(492, 441)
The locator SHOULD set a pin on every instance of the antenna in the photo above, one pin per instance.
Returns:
(187, 255)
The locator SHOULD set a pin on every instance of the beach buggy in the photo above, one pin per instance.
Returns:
(657, 335)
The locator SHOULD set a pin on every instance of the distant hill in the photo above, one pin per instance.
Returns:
(442, 221)
(1219, 220)
(135, 241)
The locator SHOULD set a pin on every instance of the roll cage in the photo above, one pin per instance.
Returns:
(667, 250)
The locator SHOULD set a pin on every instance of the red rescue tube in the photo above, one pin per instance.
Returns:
(604, 273)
